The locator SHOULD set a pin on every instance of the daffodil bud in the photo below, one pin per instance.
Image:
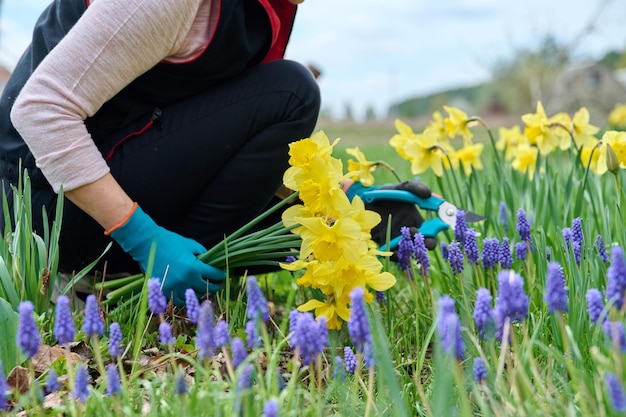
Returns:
(612, 161)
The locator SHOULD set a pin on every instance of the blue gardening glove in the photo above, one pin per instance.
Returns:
(174, 253)
(402, 214)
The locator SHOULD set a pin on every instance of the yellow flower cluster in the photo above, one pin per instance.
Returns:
(432, 149)
(543, 135)
(337, 253)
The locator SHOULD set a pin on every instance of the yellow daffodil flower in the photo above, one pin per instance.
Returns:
(526, 159)
(617, 117)
(561, 126)
(456, 123)
(301, 151)
(329, 310)
(538, 131)
(361, 166)
(438, 128)
(582, 129)
(469, 157)
(509, 140)
(367, 219)
(329, 242)
(399, 140)
(424, 153)
(600, 159)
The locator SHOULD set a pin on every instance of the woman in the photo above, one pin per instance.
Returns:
(164, 122)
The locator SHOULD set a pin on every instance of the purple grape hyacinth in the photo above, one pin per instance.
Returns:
(64, 329)
(480, 370)
(350, 360)
(599, 245)
(512, 302)
(205, 337)
(28, 337)
(595, 305)
(471, 246)
(460, 227)
(523, 226)
(615, 389)
(567, 237)
(253, 337)
(614, 332)
(81, 384)
(421, 253)
(180, 385)
(444, 250)
(406, 248)
(52, 381)
(156, 299)
(192, 305)
(115, 338)
(358, 326)
(556, 293)
(114, 385)
(310, 337)
(491, 252)
(339, 370)
(270, 409)
(505, 258)
(616, 277)
(521, 250)
(502, 216)
(239, 351)
(484, 315)
(449, 327)
(455, 257)
(92, 324)
(165, 333)
(4, 388)
(222, 334)
(257, 304)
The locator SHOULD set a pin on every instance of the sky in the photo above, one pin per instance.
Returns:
(373, 53)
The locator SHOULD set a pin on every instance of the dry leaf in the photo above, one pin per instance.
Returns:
(46, 355)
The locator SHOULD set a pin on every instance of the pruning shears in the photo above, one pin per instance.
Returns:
(445, 211)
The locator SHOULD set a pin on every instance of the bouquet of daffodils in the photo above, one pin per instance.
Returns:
(327, 234)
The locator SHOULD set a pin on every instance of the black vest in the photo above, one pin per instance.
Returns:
(242, 39)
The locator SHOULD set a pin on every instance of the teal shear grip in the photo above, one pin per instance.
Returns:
(430, 227)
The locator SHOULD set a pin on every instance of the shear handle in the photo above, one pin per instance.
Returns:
(431, 203)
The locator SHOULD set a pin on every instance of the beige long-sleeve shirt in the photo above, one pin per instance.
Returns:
(113, 43)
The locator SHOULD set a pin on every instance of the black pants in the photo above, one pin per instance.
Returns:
(210, 164)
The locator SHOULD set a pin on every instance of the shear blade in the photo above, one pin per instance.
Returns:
(471, 217)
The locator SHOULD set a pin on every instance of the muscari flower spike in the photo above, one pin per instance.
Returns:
(253, 337)
(594, 304)
(616, 277)
(28, 337)
(180, 385)
(115, 338)
(616, 393)
(81, 384)
(444, 250)
(339, 370)
(192, 306)
(239, 351)
(567, 237)
(490, 253)
(523, 226)
(64, 329)
(449, 327)
(471, 246)
(114, 385)
(512, 302)
(270, 409)
(460, 227)
(455, 257)
(368, 355)
(245, 377)
(577, 231)
(165, 333)
(52, 381)
(349, 359)
(406, 248)
(484, 315)
(205, 337)
(505, 258)
(4, 388)
(502, 216)
(421, 253)
(92, 324)
(556, 293)
(480, 370)
(521, 250)
(222, 334)
(310, 337)
(599, 245)
(358, 326)
(156, 299)
(614, 332)
(257, 304)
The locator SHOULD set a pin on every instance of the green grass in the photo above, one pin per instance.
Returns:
(552, 365)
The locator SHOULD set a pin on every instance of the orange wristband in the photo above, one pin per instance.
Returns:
(124, 220)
